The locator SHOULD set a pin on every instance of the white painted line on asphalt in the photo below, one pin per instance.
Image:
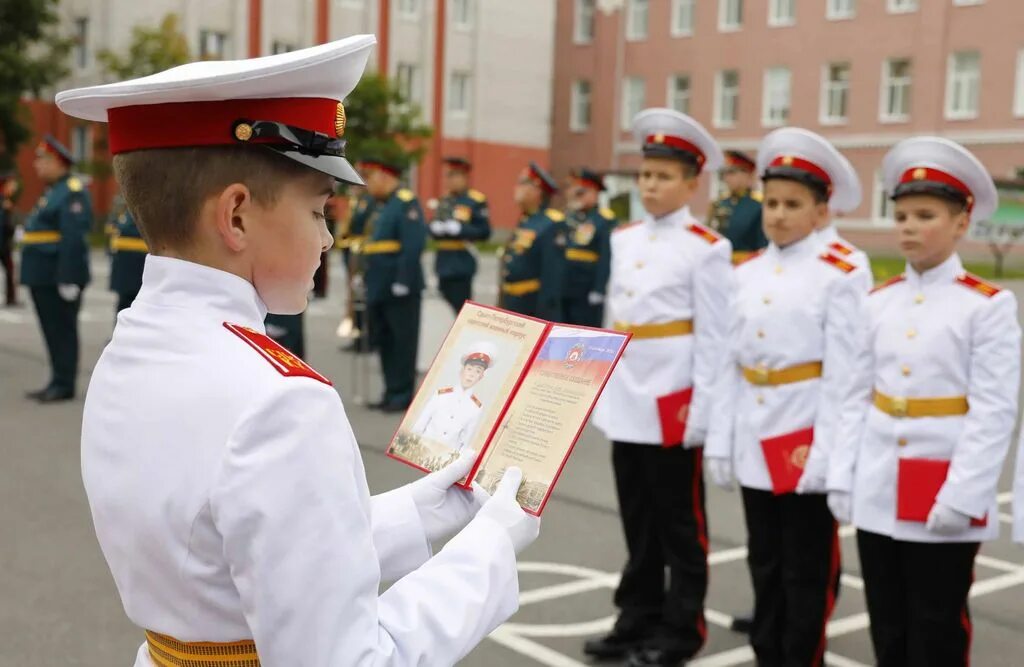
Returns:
(569, 588)
(736, 656)
(1006, 518)
(720, 619)
(531, 649)
(852, 581)
(845, 626)
(997, 564)
(996, 584)
(1004, 497)
(12, 318)
(841, 661)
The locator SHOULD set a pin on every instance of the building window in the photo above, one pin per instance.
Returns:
(81, 143)
(901, 6)
(781, 12)
(633, 99)
(407, 79)
(281, 47)
(583, 30)
(775, 103)
(213, 45)
(896, 82)
(967, 3)
(81, 42)
(352, 4)
(835, 93)
(679, 93)
(836, 10)
(962, 85)
(730, 14)
(727, 97)
(579, 119)
(636, 19)
(682, 18)
(459, 94)
(1018, 91)
(462, 13)
(881, 205)
(409, 8)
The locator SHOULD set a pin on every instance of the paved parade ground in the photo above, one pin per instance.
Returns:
(58, 604)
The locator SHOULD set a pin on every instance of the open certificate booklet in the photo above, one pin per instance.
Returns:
(518, 390)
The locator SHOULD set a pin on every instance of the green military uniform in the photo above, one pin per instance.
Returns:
(55, 252)
(289, 331)
(362, 210)
(455, 264)
(8, 191)
(588, 265)
(392, 250)
(127, 259)
(533, 265)
(737, 217)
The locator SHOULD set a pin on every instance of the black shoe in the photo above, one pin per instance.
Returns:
(392, 408)
(742, 624)
(612, 646)
(376, 405)
(656, 657)
(37, 394)
(56, 396)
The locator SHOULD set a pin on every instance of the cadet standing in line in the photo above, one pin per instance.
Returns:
(783, 399)
(55, 264)
(394, 280)
(938, 387)
(533, 260)
(588, 254)
(8, 195)
(460, 219)
(737, 213)
(362, 211)
(127, 259)
(671, 283)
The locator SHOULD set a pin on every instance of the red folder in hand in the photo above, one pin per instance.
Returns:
(918, 482)
(786, 455)
(672, 414)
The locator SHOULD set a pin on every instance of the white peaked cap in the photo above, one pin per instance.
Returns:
(481, 351)
(796, 152)
(667, 132)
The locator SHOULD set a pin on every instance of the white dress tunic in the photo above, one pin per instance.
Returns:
(230, 500)
(450, 417)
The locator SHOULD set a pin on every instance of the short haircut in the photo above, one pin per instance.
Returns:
(818, 190)
(689, 166)
(165, 188)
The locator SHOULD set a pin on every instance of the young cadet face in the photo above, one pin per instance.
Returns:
(790, 212)
(927, 230)
(286, 241)
(471, 374)
(665, 185)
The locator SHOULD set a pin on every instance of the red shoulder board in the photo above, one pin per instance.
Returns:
(277, 355)
(626, 225)
(477, 401)
(837, 262)
(753, 255)
(703, 232)
(978, 285)
(444, 390)
(841, 249)
(891, 281)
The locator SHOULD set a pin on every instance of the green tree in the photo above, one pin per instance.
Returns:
(382, 124)
(152, 50)
(33, 55)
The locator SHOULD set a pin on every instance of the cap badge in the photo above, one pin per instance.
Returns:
(787, 160)
(659, 138)
(243, 132)
(340, 119)
(920, 174)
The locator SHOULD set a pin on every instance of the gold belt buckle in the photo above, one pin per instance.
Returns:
(761, 375)
(899, 406)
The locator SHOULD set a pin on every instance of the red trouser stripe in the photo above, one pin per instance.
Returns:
(830, 595)
(702, 528)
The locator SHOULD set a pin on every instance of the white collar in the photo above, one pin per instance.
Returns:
(680, 216)
(943, 273)
(828, 234)
(808, 245)
(167, 281)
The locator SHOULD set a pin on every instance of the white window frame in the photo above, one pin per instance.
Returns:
(81, 143)
(830, 87)
(637, 30)
(218, 39)
(769, 91)
(81, 42)
(460, 93)
(776, 19)
(719, 107)
(681, 8)
(577, 98)
(672, 91)
(463, 13)
(886, 84)
(584, 15)
(725, 21)
(407, 78)
(1018, 89)
(409, 9)
(901, 6)
(840, 10)
(631, 107)
(967, 3)
(278, 46)
(953, 113)
(881, 205)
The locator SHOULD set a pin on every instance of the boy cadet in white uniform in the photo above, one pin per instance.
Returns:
(452, 414)
(794, 334)
(840, 247)
(938, 383)
(230, 502)
(671, 281)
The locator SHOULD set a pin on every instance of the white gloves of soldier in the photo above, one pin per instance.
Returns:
(595, 298)
(399, 290)
(840, 503)
(815, 475)
(720, 471)
(943, 520)
(445, 509)
(445, 227)
(504, 510)
(69, 292)
(437, 228)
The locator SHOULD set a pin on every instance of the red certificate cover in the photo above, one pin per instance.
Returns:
(786, 455)
(918, 483)
(672, 414)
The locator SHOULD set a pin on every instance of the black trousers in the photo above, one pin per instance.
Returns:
(456, 291)
(125, 299)
(7, 260)
(578, 310)
(794, 559)
(917, 600)
(59, 321)
(661, 500)
(395, 330)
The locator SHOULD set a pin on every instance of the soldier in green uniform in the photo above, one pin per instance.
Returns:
(55, 264)
(8, 194)
(127, 258)
(362, 210)
(394, 280)
(461, 218)
(533, 260)
(588, 253)
(737, 213)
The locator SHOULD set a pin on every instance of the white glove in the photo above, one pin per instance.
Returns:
(399, 290)
(504, 510)
(840, 503)
(19, 234)
(445, 509)
(453, 227)
(437, 228)
(943, 520)
(595, 298)
(720, 471)
(69, 292)
(815, 477)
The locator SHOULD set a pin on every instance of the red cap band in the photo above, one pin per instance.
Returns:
(370, 164)
(676, 142)
(45, 146)
(737, 161)
(803, 165)
(936, 176)
(539, 180)
(478, 356)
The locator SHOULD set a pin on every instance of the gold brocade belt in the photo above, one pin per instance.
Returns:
(900, 406)
(740, 256)
(36, 238)
(129, 244)
(660, 330)
(764, 376)
(521, 287)
(169, 652)
(578, 255)
(381, 247)
(346, 242)
(451, 245)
